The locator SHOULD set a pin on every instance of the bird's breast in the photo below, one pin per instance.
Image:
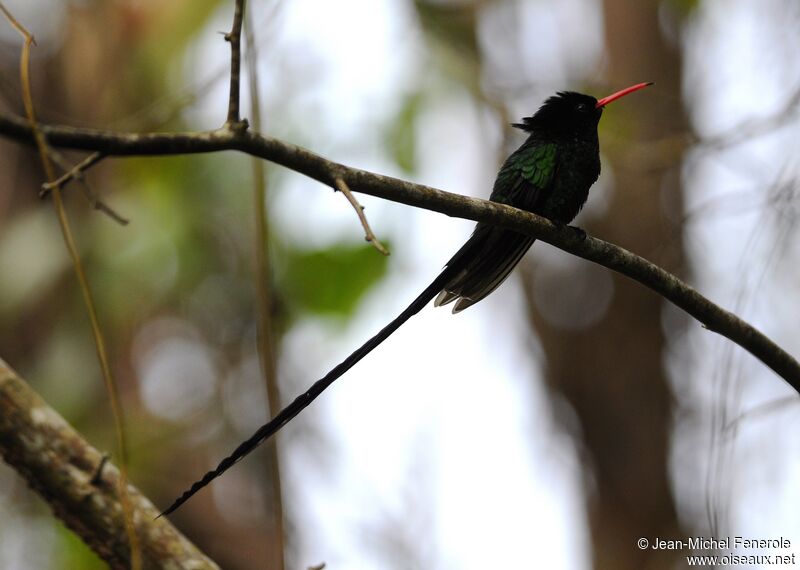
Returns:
(578, 169)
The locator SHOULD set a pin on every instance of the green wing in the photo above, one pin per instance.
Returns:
(491, 253)
(526, 175)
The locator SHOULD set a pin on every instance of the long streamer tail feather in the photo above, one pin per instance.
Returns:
(304, 399)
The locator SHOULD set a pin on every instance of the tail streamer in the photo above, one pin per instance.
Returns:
(303, 400)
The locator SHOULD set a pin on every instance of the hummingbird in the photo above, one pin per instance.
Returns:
(549, 175)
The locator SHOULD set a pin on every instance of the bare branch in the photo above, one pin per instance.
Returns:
(314, 166)
(80, 485)
(74, 173)
(17, 25)
(341, 185)
(234, 37)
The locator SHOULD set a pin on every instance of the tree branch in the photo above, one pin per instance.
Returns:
(315, 166)
(342, 187)
(234, 37)
(77, 173)
(74, 173)
(80, 485)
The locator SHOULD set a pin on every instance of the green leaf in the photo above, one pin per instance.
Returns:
(332, 281)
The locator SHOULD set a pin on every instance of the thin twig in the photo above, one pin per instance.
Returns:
(74, 173)
(234, 37)
(342, 187)
(762, 410)
(712, 316)
(266, 336)
(101, 206)
(29, 39)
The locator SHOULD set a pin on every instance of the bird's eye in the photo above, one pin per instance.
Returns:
(582, 107)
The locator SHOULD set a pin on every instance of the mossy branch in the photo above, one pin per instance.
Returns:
(81, 486)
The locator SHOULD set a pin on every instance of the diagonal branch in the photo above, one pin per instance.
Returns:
(81, 486)
(76, 173)
(342, 187)
(73, 173)
(712, 316)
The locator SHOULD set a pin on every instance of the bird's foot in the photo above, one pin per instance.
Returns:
(579, 232)
(575, 229)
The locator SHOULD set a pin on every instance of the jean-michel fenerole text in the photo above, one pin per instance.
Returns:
(736, 542)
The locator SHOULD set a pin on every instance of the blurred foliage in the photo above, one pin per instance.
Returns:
(400, 138)
(331, 281)
(452, 30)
(684, 7)
(452, 24)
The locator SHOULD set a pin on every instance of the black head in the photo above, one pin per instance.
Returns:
(565, 112)
(568, 112)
